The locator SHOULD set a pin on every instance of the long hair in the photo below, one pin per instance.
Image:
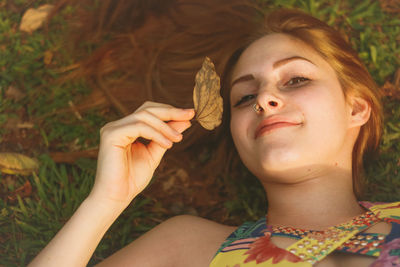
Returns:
(150, 50)
(132, 51)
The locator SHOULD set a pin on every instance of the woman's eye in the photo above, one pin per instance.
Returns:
(245, 99)
(297, 81)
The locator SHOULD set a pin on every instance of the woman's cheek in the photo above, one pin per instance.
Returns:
(240, 129)
(236, 128)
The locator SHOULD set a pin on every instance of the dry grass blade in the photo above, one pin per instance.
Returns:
(207, 100)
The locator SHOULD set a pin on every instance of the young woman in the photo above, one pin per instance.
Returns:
(302, 110)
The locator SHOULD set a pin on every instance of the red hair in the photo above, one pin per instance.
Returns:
(150, 50)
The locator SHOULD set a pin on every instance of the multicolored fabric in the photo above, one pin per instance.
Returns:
(250, 244)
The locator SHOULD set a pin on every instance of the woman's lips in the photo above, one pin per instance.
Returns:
(271, 124)
(274, 126)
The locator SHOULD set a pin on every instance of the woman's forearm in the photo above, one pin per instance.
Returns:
(75, 243)
(125, 168)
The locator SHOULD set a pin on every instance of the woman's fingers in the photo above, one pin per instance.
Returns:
(153, 117)
(179, 126)
(123, 135)
(162, 111)
(172, 114)
(156, 150)
(160, 125)
(125, 163)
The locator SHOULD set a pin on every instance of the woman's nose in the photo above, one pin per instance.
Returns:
(267, 102)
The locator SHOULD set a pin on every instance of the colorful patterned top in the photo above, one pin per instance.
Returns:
(250, 244)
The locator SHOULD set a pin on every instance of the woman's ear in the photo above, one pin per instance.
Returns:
(360, 111)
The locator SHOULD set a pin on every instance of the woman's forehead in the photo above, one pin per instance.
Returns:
(271, 51)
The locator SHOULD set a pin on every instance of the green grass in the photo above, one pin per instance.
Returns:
(27, 224)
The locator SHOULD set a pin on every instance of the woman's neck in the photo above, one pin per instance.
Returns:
(316, 203)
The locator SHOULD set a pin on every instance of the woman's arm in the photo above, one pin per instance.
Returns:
(124, 168)
(77, 240)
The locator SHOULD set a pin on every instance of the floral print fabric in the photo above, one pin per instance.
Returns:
(250, 244)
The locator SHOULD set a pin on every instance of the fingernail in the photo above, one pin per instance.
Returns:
(179, 137)
(189, 110)
(167, 143)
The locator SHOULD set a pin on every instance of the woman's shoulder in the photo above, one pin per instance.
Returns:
(189, 226)
(198, 239)
(202, 231)
(183, 240)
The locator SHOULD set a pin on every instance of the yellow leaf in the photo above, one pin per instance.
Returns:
(47, 57)
(34, 18)
(207, 100)
(15, 163)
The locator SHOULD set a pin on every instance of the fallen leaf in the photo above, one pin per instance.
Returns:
(33, 18)
(14, 93)
(15, 163)
(23, 191)
(207, 100)
(25, 125)
(47, 57)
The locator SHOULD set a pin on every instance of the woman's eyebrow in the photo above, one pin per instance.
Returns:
(284, 61)
(276, 64)
(244, 78)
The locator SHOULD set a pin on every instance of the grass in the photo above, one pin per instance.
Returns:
(27, 223)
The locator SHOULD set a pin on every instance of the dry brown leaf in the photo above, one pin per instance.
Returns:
(25, 125)
(23, 191)
(47, 57)
(34, 18)
(208, 103)
(15, 163)
(14, 93)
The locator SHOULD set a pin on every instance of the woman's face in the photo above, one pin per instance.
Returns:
(305, 120)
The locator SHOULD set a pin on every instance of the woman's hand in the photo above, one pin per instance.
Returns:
(125, 165)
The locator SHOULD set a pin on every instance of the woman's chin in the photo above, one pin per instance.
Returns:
(279, 159)
(288, 167)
